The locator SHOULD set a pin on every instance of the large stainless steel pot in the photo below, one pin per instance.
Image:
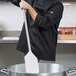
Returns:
(45, 69)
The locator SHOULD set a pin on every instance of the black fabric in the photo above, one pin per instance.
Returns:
(43, 32)
(15, 2)
(52, 17)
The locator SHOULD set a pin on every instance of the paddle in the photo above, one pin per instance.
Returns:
(31, 62)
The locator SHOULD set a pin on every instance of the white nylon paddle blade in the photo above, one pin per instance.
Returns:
(31, 63)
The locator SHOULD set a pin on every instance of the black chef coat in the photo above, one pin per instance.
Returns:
(43, 32)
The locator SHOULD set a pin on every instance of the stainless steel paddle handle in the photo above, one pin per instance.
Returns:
(27, 32)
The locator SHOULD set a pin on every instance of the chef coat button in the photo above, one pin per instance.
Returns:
(51, 12)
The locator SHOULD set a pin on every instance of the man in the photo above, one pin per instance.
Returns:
(43, 18)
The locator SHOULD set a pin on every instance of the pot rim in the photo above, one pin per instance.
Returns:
(9, 69)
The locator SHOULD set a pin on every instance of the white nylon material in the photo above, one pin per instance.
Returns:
(31, 62)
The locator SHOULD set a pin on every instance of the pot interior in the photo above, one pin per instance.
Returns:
(43, 68)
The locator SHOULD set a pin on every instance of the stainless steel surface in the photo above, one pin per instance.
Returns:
(68, 0)
(9, 33)
(16, 40)
(9, 36)
(16, 34)
(66, 41)
(8, 41)
(45, 69)
(4, 71)
(71, 72)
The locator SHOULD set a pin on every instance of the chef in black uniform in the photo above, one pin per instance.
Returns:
(43, 18)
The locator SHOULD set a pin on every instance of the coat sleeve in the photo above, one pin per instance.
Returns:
(15, 2)
(52, 17)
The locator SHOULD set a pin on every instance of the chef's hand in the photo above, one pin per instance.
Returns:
(24, 5)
